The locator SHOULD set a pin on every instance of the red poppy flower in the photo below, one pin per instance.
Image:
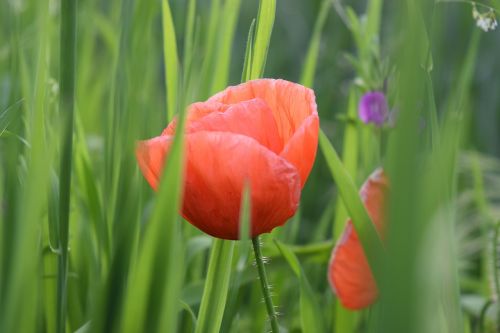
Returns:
(349, 273)
(264, 133)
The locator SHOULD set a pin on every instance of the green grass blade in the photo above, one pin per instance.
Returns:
(307, 77)
(153, 303)
(87, 181)
(374, 12)
(365, 229)
(158, 272)
(407, 220)
(433, 115)
(216, 288)
(170, 59)
(310, 311)
(346, 321)
(210, 50)
(21, 299)
(223, 58)
(53, 214)
(240, 260)
(247, 63)
(3, 233)
(189, 39)
(67, 104)
(445, 182)
(349, 159)
(265, 22)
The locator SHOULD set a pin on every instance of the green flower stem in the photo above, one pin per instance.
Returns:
(265, 285)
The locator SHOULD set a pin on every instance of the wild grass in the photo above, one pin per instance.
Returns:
(87, 246)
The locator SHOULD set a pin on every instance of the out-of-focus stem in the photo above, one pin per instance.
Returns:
(496, 282)
(67, 98)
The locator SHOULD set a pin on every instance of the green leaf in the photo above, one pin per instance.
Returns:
(197, 245)
(85, 328)
(170, 59)
(210, 48)
(153, 304)
(309, 69)
(310, 311)
(239, 261)
(345, 320)
(190, 311)
(92, 197)
(374, 12)
(223, 58)
(21, 294)
(217, 282)
(265, 22)
(247, 63)
(349, 159)
(189, 39)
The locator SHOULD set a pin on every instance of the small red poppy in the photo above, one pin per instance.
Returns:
(349, 273)
(264, 132)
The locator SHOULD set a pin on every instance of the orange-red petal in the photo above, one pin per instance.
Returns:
(252, 118)
(349, 273)
(195, 112)
(218, 166)
(300, 150)
(290, 103)
(151, 157)
(264, 132)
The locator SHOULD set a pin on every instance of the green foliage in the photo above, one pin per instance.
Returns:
(310, 314)
(263, 30)
(216, 287)
(171, 58)
(312, 53)
(87, 246)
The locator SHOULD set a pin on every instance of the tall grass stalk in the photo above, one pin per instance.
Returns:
(213, 301)
(170, 58)
(103, 252)
(66, 105)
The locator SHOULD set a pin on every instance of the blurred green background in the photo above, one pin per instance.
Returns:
(131, 258)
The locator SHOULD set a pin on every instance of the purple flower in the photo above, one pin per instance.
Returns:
(373, 108)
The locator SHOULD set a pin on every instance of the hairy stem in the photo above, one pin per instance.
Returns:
(265, 285)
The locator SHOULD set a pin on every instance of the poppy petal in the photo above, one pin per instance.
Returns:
(195, 112)
(301, 148)
(374, 193)
(349, 273)
(151, 157)
(218, 166)
(252, 118)
(290, 103)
